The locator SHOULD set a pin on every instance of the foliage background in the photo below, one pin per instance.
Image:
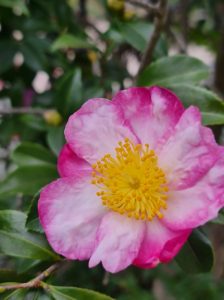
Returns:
(54, 55)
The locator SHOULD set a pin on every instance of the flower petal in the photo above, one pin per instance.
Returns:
(70, 213)
(69, 163)
(152, 112)
(119, 239)
(189, 153)
(159, 245)
(96, 129)
(197, 205)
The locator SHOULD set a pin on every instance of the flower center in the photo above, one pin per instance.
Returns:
(130, 182)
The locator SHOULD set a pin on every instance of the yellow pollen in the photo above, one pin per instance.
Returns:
(131, 182)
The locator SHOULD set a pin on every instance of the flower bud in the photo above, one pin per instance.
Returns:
(52, 117)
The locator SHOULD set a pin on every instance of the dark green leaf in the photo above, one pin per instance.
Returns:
(27, 180)
(33, 223)
(13, 232)
(69, 92)
(71, 293)
(16, 295)
(12, 221)
(136, 34)
(67, 40)
(174, 70)
(8, 50)
(55, 139)
(8, 275)
(219, 219)
(30, 154)
(34, 122)
(210, 104)
(197, 255)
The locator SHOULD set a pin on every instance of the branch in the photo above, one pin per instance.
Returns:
(34, 283)
(22, 110)
(158, 26)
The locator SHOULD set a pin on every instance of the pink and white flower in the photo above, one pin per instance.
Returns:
(138, 173)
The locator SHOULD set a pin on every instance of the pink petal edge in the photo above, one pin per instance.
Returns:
(118, 242)
(152, 112)
(96, 129)
(69, 163)
(70, 213)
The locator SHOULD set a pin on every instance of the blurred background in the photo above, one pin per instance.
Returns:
(56, 54)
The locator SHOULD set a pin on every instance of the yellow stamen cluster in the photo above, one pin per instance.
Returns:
(130, 182)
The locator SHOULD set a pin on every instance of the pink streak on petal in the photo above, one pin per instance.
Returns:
(118, 242)
(152, 112)
(197, 205)
(70, 213)
(159, 244)
(189, 153)
(96, 129)
(69, 163)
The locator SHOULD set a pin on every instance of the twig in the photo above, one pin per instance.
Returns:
(184, 22)
(158, 26)
(34, 283)
(22, 110)
(82, 9)
(144, 4)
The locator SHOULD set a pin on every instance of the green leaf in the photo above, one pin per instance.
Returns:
(8, 50)
(69, 92)
(33, 58)
(34, 122)
(71, 293)
(174, 70)
(16, 295)
(136, 34)
(197, 255)
(27, 180)
(67, 40)
(219, 219)
(30, 154)
(55, 139)
(18, 5)
(12, 221)
(13, 232)
(211, 106)
(32, 222)
(8, 275)
(24, 294)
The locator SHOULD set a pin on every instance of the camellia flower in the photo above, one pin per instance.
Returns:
(138, 173)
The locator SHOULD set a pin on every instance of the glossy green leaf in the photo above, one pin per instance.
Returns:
(55, 139)
(211, 106)
(69, 92)
(136, 34)
(27, 180)
(12, 221)
(67, 40)
(13, 232)
(197, 255)
(31, 154)
(32, 222)
(25, 294)
(71, 293)
(16, 295)
(173, 70)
